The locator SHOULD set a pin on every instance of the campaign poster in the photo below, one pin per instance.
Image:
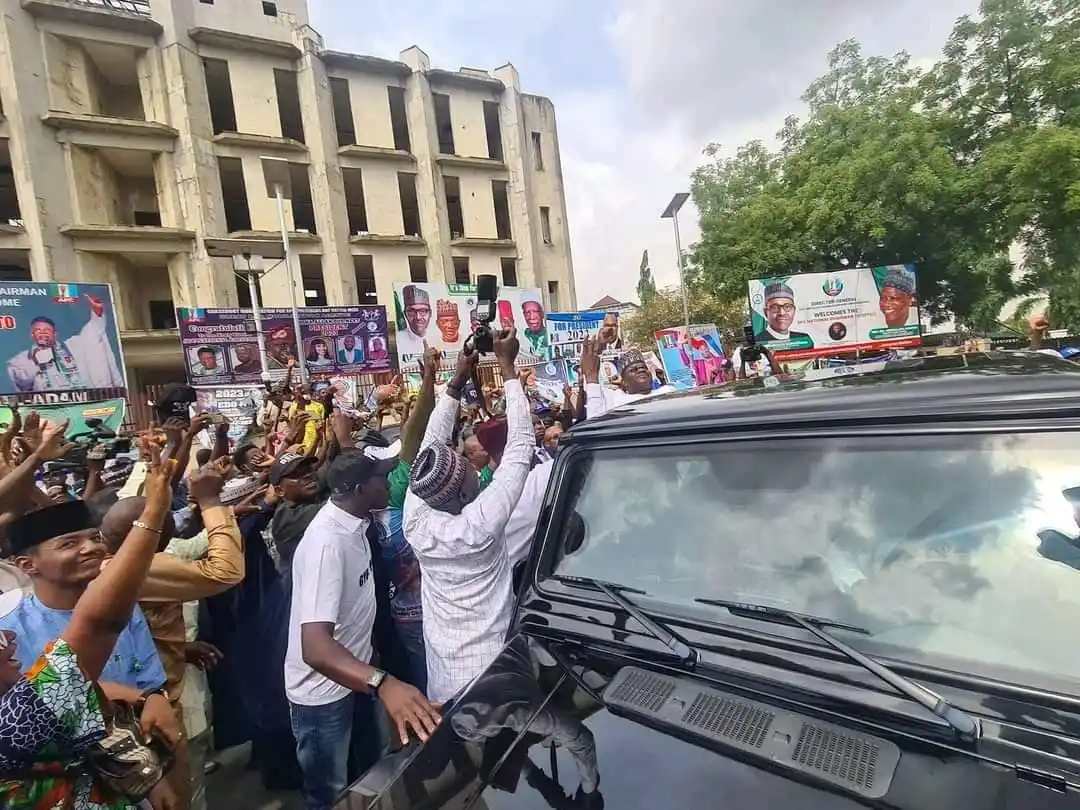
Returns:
(109, 411)
(549, 380)
(238, 403)
(60, 343)
(443, 316)
(671, 346)
(221, 346)
(836, 312)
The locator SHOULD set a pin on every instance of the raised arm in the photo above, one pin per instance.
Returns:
(104, 610)
(440, 427)
(492, 508)
(420, 415)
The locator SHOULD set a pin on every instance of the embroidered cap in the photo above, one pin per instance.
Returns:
(631, 357)
(437, 475)
(900, 279)
(34, 528)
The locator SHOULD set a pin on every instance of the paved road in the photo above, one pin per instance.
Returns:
(232, 787)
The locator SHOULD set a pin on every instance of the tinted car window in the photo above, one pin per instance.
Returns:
(960, 550)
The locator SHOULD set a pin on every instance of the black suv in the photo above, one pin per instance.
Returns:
(863, 591)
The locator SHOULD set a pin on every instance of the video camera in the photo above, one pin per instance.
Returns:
(99, 443)
(751, 351)
(482, 339)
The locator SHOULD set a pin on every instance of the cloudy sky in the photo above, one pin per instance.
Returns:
(640, 87)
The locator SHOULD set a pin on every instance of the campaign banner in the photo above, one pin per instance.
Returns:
(221, 345)
(836, 312)
(61, 343)
(109, 411)
(444, 315)
(238, 403)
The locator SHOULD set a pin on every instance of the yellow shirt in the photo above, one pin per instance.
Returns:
(311, 429)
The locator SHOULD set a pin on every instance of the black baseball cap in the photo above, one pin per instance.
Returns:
(351, 469)
(286, 466)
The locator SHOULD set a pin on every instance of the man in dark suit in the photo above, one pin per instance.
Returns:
(779, 315)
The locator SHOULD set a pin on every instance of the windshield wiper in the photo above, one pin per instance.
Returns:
(965, 725)
(615, 592)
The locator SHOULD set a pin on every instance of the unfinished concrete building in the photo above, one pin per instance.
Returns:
(134, 144)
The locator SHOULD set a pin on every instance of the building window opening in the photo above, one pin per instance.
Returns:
(355, 207)
(538, 151)
(461, 270)
(545, 224)
(418, 269)
(303, 209)
(493, 130)
(269, 9)
(243, 293)
(288, 103)
(500, 196)
(509, 271)
(9, 199)
(553, 297)
(399, 119)
(220, 96)
(343, 117)
(162, 314)
(454, 213)
(444, 124)
(234, 196)
(311, 276)
(410, 206)
(364, 273)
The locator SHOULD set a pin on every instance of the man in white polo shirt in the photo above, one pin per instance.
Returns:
(330, 630)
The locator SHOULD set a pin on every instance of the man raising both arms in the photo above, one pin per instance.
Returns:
(456, 531)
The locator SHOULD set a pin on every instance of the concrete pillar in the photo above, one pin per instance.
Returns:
(24, 88)
(327, 186)
(430, 191)
(516, 148)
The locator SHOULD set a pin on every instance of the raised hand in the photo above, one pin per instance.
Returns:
(53, 444)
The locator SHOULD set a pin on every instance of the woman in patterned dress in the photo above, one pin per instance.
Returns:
(52, 714)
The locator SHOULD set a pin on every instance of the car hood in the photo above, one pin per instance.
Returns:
(532, 733)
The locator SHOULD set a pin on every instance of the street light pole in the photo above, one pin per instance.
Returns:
(279, 195)
(256, 313)
(672, 213)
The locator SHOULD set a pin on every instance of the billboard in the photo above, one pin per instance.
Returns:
(60, 342)
(444, 316)
(110, 412)
(837, 311)
(221, 345)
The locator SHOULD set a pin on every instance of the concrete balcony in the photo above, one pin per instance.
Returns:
(354, 155)
(107, 131)
(125, 15)
(233, 144)
(462, 161)
(483, 242)
(390, 239)
(13, 235)
(142, 239)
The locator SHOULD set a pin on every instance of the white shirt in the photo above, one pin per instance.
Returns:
(522, 524)
(410, 344)
(759, 368)
(332, 582)
(466, 586)
(600, 399)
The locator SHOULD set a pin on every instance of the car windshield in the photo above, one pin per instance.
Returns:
(957, 551)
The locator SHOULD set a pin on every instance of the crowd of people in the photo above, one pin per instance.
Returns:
(322, 588)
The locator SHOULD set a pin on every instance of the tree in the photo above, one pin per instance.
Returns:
(664, 309)
(948, 169)
(646, 287)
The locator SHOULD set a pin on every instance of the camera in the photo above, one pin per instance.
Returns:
(751, 352)
(482, 339)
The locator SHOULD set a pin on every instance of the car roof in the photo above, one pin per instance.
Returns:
(982, 384)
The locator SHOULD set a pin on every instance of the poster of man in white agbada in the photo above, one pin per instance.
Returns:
(59, 338)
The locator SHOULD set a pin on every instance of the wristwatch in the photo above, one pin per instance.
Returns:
(140, 704)
(376, 680)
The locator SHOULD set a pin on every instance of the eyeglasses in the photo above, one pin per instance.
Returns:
(787, 309)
